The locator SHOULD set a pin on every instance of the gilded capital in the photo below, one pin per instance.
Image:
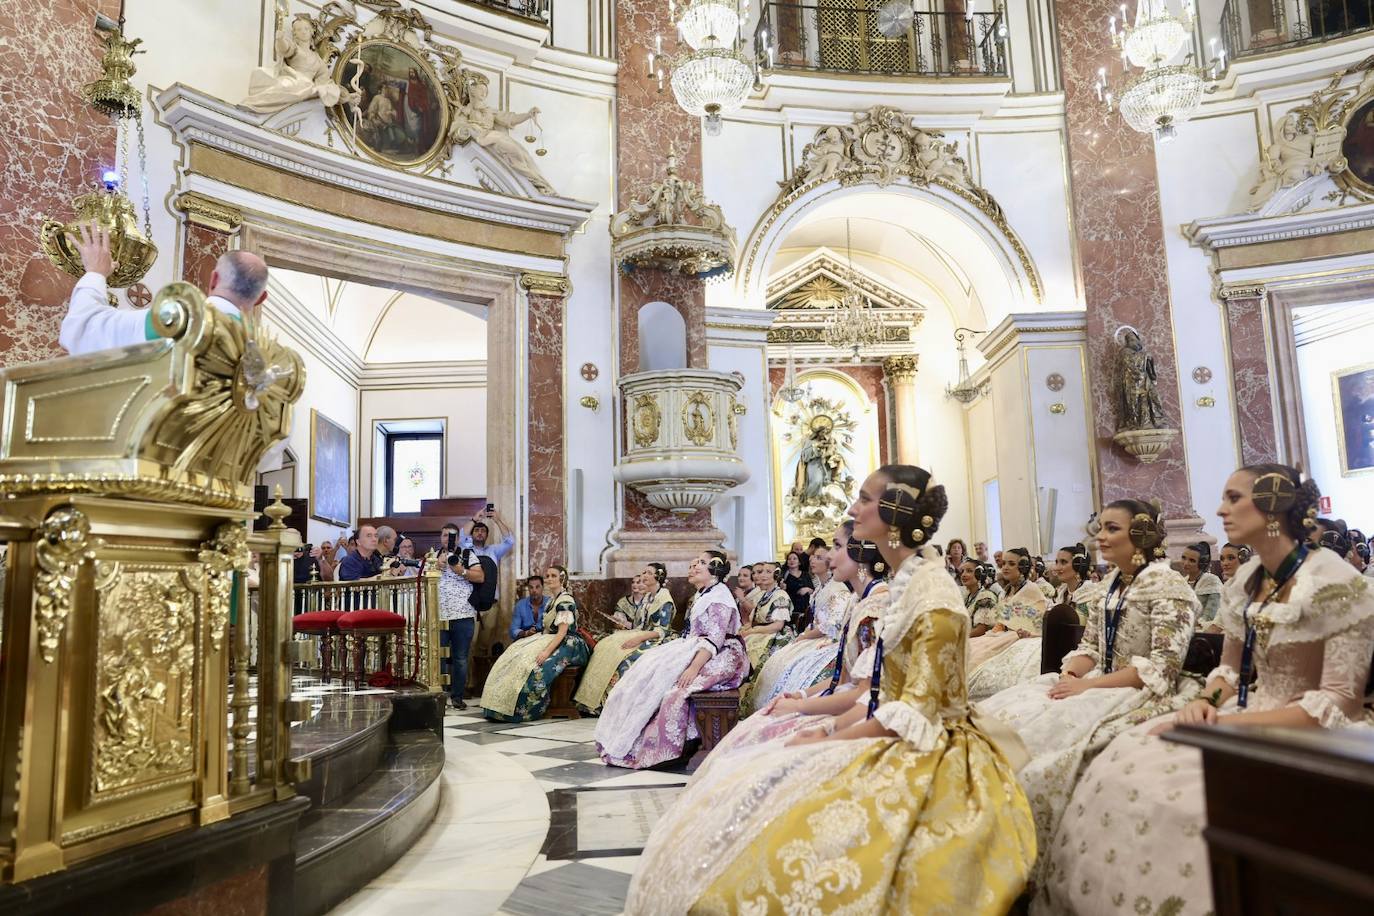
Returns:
(901, 368)
(545, 284)
(209, 213)
(1227, 292)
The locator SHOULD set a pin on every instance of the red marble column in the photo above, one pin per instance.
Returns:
(1255, 420)
(1121, 247)
(547, 539)
(200, 250)
(648, 123)
(53, 146)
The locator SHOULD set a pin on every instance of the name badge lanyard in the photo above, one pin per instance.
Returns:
(1112, 622)
(839, 654)
(1287, 569)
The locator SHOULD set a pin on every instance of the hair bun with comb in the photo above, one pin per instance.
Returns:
(910, 506)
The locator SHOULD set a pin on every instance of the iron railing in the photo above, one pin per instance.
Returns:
(847, 36)
(535, 10)
(1258, 26)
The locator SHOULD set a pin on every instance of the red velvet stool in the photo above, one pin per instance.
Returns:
(324, 624)
(370, 622)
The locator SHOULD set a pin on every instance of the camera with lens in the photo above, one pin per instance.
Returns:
(398, 562)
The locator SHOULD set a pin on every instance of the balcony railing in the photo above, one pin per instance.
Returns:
(535, 10)
(848, 36)
(1259, 26)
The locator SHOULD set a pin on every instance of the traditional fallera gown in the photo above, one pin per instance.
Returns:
(981, 607)
(1131, 837)
(932, 815)
(803, 662)
(759, 733)
(996, 661)
(610, 660)
(517, 689)
(1155, 625)
(770, 607)
(648, 719)
(1208, 589)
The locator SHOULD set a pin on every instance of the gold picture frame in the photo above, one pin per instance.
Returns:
(409, 130)
(331, 492)
(1352, 392)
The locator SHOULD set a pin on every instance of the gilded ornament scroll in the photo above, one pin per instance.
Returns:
(66, 543)
(222, 557)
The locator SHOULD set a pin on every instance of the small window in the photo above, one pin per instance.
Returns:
(414, 470)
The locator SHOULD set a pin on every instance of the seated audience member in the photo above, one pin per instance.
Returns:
(1232, 556)
(1196, 566)
(1009, 651)
(647, 620)
(520, 685)
(365, 561)
(529, 610)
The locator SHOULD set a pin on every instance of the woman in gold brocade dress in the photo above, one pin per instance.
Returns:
(902, 810)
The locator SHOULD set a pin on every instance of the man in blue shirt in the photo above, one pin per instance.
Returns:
(529, 611)
(365, 562)
(478, 535)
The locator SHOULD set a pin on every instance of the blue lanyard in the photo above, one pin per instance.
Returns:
(1112, 622)
(844, 638)
(877, 679)
(1286, 571)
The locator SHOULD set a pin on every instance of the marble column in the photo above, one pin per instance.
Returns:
(53, 148)
(209, 229)
(1250, 373)
(648, 123)
(546, 536)
(900, 372)
(1115, 190)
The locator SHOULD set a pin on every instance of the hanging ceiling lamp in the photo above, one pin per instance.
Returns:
(714, 75)
(1163, 93)
(853, 326)
(708, 23)
(965, 391)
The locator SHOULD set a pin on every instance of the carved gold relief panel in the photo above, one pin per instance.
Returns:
(144, 695)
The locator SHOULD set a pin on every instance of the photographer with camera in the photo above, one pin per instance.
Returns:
(404, 565)
(477, 538)
(460, 571)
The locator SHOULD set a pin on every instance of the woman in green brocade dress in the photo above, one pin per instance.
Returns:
(768, 627)
(518, 688)
(649, 623)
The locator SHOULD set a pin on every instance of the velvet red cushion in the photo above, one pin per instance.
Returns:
(316, 621)
(371, 620)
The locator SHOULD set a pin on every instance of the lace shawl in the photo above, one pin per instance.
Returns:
(921, 585)
(1329, 596)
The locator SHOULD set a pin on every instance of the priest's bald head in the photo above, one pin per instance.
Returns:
(240, 277)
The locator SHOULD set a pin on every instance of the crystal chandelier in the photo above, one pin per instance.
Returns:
(965, 392)
(853, 325)
(1162, 93)
(714, 75)
(791, 392)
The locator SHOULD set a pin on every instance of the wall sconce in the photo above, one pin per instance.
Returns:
(1058, 408)
(591, 402)
(1206, 401)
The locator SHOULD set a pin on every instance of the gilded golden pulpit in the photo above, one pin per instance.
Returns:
(126, 481)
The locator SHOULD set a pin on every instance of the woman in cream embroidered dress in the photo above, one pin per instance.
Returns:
(1142, 798)
(1009, 652)
(802, 662)
(1196, 566)
(517, 688)
(648, 719)
(649, 621)
(979, 600)
(910, 808)
(768, 627)
(861, 566)
(1127, 664)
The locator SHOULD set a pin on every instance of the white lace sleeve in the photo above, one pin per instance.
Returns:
(562, 617)
(1227, 674)
(909, 724)
(1345, 668)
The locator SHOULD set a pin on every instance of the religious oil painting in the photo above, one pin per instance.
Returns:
(1358, 146)
(398, 113)
(331, 456)
(1353, 389)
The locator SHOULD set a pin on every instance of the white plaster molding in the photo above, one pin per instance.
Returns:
(738, 325)
(499, 33)
(198, 117)
(941, 102)
(409, 376)
(284, 310)
(1046, 328)
(1251, 228)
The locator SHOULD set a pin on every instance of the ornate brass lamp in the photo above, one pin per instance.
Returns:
(111, 209)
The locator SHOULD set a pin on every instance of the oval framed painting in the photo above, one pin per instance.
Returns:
(394, 107)
(1358, 148)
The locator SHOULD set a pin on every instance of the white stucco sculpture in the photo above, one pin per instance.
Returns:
(301, 72)
(490, 128)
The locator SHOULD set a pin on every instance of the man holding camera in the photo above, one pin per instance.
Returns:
(460, 571)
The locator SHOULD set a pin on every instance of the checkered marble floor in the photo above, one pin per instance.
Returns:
(531, 822)
(600, 816)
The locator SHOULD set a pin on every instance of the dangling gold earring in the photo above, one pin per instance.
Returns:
(1271, 529)
(1137, 559)
(894, 537)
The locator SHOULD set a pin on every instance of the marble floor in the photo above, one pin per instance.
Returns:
(530, 823)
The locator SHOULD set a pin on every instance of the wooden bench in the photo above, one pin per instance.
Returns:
(716, 711)
(561, 703)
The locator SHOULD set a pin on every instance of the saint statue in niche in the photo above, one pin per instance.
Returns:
(1138, 406)
(476, 120)
(819, 463)
(822, 487)
(301, 72)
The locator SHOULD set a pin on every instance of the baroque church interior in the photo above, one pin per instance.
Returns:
(666, 456)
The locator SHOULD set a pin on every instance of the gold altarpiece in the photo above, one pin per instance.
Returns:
(128, 504)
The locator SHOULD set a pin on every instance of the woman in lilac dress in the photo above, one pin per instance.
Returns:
(648, 719)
